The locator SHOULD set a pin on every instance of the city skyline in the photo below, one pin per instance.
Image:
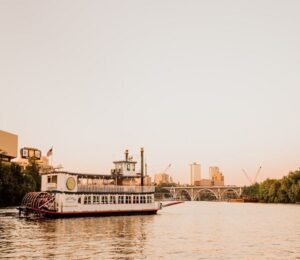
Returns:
(216, 84)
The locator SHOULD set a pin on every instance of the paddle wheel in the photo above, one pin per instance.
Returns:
(34, 202)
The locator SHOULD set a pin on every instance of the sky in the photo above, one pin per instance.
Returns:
(214, 82)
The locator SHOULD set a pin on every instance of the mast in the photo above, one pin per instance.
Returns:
(142, 166)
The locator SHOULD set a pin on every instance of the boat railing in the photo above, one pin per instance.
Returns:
(114, 188)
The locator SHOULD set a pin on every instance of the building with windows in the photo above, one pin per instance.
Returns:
(195, 172)
(216, 176)
(162, 178)
(204, 182)
(43, 163)
(8, 146)
(30, 153)
(147, 181)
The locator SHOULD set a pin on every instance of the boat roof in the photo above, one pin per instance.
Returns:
(124, 161)
(92, 175)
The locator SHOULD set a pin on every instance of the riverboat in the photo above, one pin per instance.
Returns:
(69, 194)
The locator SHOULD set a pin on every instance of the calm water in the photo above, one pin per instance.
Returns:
(193, 230)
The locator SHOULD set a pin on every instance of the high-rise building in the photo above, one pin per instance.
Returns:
(216, 176)
(195, 172)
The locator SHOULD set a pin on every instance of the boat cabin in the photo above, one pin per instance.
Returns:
(125, 167)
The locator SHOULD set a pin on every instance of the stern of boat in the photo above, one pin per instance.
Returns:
(35, 203)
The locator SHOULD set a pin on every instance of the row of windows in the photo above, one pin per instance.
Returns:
(129, 166)
(110, 199)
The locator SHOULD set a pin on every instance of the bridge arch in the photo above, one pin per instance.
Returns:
(228, 191)
(183, 192)
(198, 193)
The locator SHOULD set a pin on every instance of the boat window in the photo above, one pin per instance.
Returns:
(52, 179)
(133, 167)
(128, 167)
(96, 199)
(79, 200)
(135, 199)
(85, 199)
(89, 200)
(143, 199)
(112, 199)
(121, 199)
(128, 200)
(104, 199)
(149, 199)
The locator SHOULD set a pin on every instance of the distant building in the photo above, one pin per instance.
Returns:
(28, 153)
(8, 146)
(147, 181)
(43, 163)
(162, 178)
(216, 176)
(195, 173)
(204, 182)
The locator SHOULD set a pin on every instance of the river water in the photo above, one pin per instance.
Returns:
(193, 230)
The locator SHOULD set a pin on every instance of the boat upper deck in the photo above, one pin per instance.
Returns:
(62, 181)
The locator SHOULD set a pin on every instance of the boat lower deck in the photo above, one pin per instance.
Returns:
(26, 211)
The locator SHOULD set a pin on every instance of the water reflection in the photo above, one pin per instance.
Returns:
(193, 230)
(74, 238)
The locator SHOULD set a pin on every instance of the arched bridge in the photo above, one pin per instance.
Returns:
(195, 192)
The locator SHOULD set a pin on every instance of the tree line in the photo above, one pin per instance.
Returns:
(284, 190)
(15, 182)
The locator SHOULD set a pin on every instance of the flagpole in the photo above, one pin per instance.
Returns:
(52, 156)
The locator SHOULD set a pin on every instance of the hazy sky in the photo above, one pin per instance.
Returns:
(216, 82)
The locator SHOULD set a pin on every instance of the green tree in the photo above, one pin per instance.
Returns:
(251, 191)
(294, 189)
(15, 182)
(285, 190)
(264, 188)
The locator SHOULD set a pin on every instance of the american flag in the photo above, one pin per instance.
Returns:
(49, 153)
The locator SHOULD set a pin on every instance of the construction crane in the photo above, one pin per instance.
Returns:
(252, 181)
(167, 168)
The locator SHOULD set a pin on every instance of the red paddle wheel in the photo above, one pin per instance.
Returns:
(33, 202)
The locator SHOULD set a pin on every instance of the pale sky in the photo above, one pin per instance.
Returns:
(215, 82)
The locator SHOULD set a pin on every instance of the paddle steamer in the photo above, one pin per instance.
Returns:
(69, 194)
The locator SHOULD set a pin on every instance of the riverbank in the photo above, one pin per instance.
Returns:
(285, 190)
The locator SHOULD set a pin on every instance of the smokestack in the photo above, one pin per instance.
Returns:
(126, 155)
(142, 166)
